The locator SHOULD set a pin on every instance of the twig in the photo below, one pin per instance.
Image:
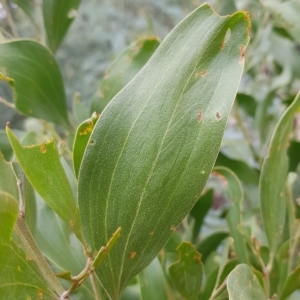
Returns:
(10, 19)
(8, 104)
(95, 289)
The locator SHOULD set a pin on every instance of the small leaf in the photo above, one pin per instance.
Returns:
(125, 67)
(242, 284)
(83, 134)
(152, 149)
(36, 79)
(21, 277)
(104, 251)
(153, 282)
(244, 172)
(200, 210)
(43, 168)
(8, 215)
(58, 16)
(273, 179)
(187, 272)
(211, 243)
(291, 284)
(234, 216)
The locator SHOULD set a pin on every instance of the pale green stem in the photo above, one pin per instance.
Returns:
(10, 19)
(95, 288)
(6, 103)
(218, 290)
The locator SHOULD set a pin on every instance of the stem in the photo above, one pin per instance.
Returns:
(33, 251)
(10, 19)
(95, 289)
(245, 133)
(293, 251)
(218, 290)
(8, 104)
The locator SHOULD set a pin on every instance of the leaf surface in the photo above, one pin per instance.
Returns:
(154, 146)
(8, 215)
(43, 168)
(36, 79)
(242, 284)
(273, 179)
(234, 190)
(187, 272)
(58, 16)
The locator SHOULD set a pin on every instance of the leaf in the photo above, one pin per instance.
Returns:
(273, 179)
(291, 284)
(247, 102)
(200, 210)
(43, 168)
(242, 284)
(83, 134)
(20, 277)
(211, 243)
(8, 215)
(294, 155)
(234, 216)
(125, 67)
(8, 181)
(153, 282)
(152, 150)
(28, 7)
(244, 172)
(187, 272)
(28, 196)
(58, 16)
(36, 80)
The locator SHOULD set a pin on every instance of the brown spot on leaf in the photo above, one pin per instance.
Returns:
(151, 232)
(92, 142)
(242, 54)
(30, 111)
(218, 116)
(43, 149)
(197, 258)
(41, 296)
(200, 116)
(72, 223)
(222, 45)
(203, 73)
(106, 75)
(173, 228)
(132, 254)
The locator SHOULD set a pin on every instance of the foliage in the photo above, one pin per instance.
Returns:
(160, 186)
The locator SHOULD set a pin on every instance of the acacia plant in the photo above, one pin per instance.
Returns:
(102, 208)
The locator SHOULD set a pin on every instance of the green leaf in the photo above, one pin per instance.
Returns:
(244, 172)
(187, 272)
(20, 276)
(8, 181)
(200, 210)
(273, 179)
(8, 215)
(211, 243)
(152, 150)
(83, 134)
(291, 284)
(294, 155)
(28, 196)
(36, 79)
(153, 283)
(58, 16)
(43, 168)
(247, 102)
(234, 216)
(28, 7)
(242, 284)
(126, 66)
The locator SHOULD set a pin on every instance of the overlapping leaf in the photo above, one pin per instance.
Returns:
(273, 179)
(155, 144)
(36, 79)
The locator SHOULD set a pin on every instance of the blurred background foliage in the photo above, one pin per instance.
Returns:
(104, 28)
